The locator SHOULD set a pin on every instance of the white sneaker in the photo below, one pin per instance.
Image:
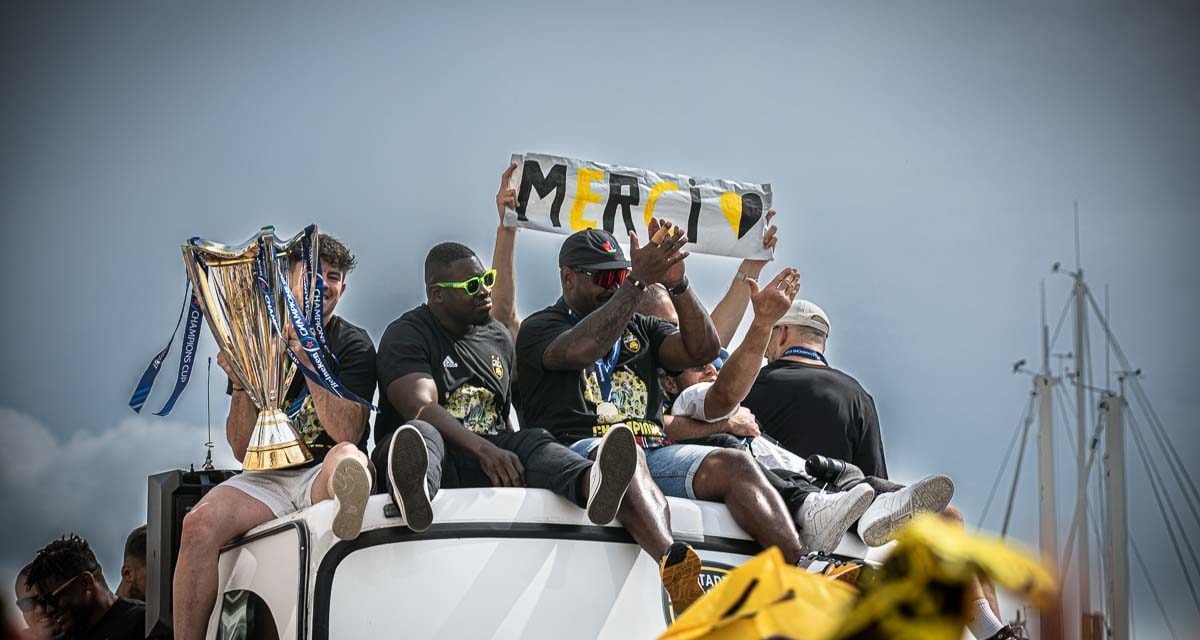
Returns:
(351, 484)
(824, 517)
(890, 511)
(610, 474)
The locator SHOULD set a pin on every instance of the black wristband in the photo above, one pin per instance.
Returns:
(632, 279)
(679, 288)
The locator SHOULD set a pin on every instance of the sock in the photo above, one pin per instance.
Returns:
(981, 621)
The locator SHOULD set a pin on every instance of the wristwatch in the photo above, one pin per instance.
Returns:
(679, 288)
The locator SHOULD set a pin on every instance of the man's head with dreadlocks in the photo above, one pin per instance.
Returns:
(71, 584)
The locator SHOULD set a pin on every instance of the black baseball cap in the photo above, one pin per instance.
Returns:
(592, 249)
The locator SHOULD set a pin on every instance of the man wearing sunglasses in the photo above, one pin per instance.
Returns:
(446, 367)
(39, 626)
(75, 596)
(589, 362)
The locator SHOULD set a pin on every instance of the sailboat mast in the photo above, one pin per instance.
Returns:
(1050, 619)
(1116, 539)
(1081, 437)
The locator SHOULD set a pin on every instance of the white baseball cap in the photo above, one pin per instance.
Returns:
(803, 313)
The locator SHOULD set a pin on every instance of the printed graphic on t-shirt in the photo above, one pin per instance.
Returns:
(306, 422)
(497, 367)
(476, 408)
(630, 397)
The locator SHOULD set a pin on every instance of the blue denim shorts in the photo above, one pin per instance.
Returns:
(673, 467)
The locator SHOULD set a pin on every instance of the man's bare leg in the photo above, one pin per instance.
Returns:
(222, 515)
(643, 512)
(731, 476)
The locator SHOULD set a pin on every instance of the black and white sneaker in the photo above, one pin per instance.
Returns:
(615, 463)
(408, 463)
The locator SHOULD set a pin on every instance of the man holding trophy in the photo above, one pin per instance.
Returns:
(247, 312)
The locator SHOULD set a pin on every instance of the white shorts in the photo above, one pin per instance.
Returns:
(284, 491)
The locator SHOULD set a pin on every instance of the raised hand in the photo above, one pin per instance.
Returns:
(506, 196)
(227, 367)
(661, 260)
(752, 268)
(771, 302)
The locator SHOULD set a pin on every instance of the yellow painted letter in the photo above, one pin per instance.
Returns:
(584, 195)
(655, 192)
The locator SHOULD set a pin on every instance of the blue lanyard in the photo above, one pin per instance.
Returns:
(309, 343)
(605, 365)
(187, 354)
(806, 353)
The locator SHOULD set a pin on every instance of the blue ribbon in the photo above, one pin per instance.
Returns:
(146, 382)
(309, 342)
(186, 354)
(604, 366)
(806, 353)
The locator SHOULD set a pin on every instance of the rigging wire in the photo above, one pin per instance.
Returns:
(1021, 419)
(1012, 492)
(1077, 514)
(1141, 443)
(1175, 463)
(1153, 590)
(1058, 326)
(1163, 512)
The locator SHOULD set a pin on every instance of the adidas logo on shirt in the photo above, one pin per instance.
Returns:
(449, 363)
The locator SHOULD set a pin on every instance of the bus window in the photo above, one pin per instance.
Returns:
(244, 616)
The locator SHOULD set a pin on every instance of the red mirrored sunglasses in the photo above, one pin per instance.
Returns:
(605, 278)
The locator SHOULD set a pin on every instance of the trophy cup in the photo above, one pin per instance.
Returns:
(242, 291)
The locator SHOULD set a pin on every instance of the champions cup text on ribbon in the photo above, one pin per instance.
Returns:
(565, 195)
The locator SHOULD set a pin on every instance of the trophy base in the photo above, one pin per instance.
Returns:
(274, 444)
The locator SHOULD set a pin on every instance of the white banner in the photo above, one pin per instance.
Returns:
(565, 195)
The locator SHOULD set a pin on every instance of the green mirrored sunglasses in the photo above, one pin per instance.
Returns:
(472, 285)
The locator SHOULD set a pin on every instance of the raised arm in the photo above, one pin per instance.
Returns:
(727, 315)
(416, 395)
(697, 341)
(344, 420)
(504, 294)
(588, 341)
(739, 371)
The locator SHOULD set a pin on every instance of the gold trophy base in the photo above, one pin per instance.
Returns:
(274, 444)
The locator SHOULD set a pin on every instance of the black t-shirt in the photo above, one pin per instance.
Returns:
(564, 402)
(473, 372)
(125, 620)
(355, 369)
(811, 409)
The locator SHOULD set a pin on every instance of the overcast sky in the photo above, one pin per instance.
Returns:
(924, 159)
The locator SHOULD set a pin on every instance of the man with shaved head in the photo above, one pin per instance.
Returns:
(446, 367)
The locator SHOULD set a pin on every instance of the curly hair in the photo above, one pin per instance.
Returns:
(334, 253)
(64, 558)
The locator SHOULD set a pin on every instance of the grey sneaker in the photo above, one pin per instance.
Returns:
(407, 464)
(351, 483)
(824, 517)
(890, 511)
(610, 474)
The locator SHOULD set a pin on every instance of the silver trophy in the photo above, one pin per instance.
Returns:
(241, 290)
